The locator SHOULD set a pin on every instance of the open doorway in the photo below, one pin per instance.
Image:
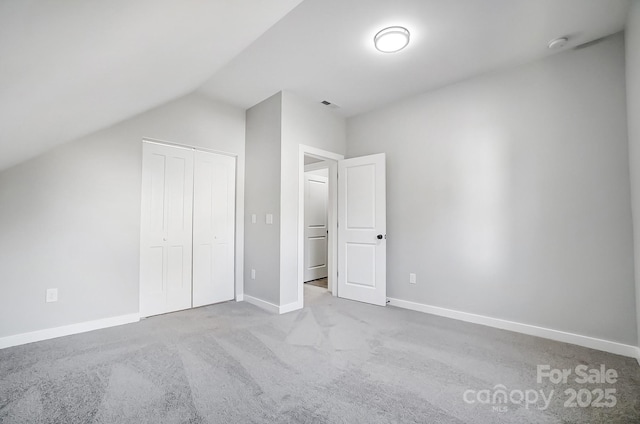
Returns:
(319, 163)
(316, 222)
(360, 202)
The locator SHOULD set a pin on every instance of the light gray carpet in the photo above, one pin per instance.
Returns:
(336, 361)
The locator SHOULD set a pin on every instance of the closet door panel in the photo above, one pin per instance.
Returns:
(166, 225)
(213, 228)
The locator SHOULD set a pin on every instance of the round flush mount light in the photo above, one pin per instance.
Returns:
(391, 39)
(558, 43)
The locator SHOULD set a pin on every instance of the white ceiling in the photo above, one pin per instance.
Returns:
(71, 67)
(323, 49)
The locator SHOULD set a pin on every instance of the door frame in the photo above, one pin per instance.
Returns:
(332, 219)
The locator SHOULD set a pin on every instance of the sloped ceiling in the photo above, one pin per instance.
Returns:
(323, 49)
(71, 67)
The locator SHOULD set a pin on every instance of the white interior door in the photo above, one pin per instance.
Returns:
(166, 225)
(316, 197)
(213, 228)
(362, 244)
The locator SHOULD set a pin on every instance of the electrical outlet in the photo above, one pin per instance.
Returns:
(253, 274)
(269, 218)
(412, 278)
(52, 295)
(254, 218)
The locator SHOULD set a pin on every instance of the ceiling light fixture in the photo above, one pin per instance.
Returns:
(391, 39)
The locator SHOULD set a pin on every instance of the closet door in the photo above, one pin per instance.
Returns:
(166, 229)
(213, 228)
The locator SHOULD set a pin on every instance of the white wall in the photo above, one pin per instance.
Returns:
(70, 218)
(262, 241)
(310, 124)
(633, 114)
(276, 128)
(508, 194)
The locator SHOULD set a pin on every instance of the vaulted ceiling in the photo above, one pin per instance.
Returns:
(72, 67)
(324, 50)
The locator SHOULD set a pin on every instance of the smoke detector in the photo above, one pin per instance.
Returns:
(558, 43)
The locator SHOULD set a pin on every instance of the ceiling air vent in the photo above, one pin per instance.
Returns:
(328, 103)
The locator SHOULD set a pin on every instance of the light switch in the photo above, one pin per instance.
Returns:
(269, 218)
(254, 219)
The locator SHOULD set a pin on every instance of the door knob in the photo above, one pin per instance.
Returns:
(379, 236)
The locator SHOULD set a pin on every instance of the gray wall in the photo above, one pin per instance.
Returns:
(70, 218)
(311, 124)
(262, 241)
(275, 129)
(508, 194)
(633, 113)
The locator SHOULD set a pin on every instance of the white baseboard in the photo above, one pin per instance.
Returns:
(289, 307)
(271, 307)
(67, 330)
(263, 304)
(532, 330)
(239, 297)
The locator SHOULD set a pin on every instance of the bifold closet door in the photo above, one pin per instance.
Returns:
(213, 228)
(166, 229)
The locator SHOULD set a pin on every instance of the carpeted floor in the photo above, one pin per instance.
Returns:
(335, 361)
